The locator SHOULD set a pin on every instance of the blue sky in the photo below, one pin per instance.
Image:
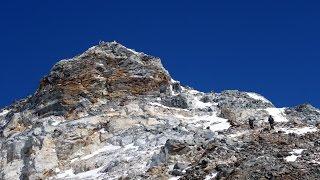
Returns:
(270, 47)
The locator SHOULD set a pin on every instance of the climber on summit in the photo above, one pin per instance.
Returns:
(271, 122)
(251, 122)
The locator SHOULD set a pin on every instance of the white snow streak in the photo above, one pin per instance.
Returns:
(299, 131)
(166, 107)
(201, 105)
(104, 149)
(258, 97)
(238, 134)
(69, 174)
(65, 174)
(291, 158)
(277, 114)
(315, 162)
(171, 88)
(194, 92)
(298, 151)
(4, 112)
(131, 146)
(294, 155)
(55, 123)
(134, 52)
(213, 122)
(211, 176)
(175, 178)
(172, 91)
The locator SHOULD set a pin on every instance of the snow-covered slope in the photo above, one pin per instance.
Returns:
(113, 113)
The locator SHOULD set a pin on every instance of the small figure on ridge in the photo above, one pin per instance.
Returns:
(251, 122)
(271, 122)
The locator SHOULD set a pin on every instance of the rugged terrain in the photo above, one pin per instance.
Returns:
(113, 113)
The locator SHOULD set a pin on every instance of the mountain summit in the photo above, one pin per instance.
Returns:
(105, 72)
(114, 113)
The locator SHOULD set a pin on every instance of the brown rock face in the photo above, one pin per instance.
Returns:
(107, 71)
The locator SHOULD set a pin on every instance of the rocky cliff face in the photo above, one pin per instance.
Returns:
(105, 72)
(113, 113)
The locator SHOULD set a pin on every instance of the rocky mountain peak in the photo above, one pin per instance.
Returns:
(108, 71)
(113, 113)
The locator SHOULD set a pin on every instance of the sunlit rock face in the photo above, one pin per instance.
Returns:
(114, 113)
(108, 71)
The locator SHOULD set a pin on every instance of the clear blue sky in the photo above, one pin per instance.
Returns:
(268, 46)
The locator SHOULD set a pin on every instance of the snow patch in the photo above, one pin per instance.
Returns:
(294, 155)
(133, 51)
(211, 176)
(92, 48)
(166, 107)
(213, 122)
(74, 160)
(258, 97)
(297, 151)
(107, 148)
(171, 87)
(172, 91)
(221, 125)
(57, 170)
(4, 112)
(238, 134)
(131, 146)
(102, 131)
(160, 105)
(55, 123)
(277, 114)
(291, 158)
(315, 162)
(299, 131)
(194, 92)
(174, 81)
(175, 178)
(199, 104)
(65, 174)
(69, 174)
